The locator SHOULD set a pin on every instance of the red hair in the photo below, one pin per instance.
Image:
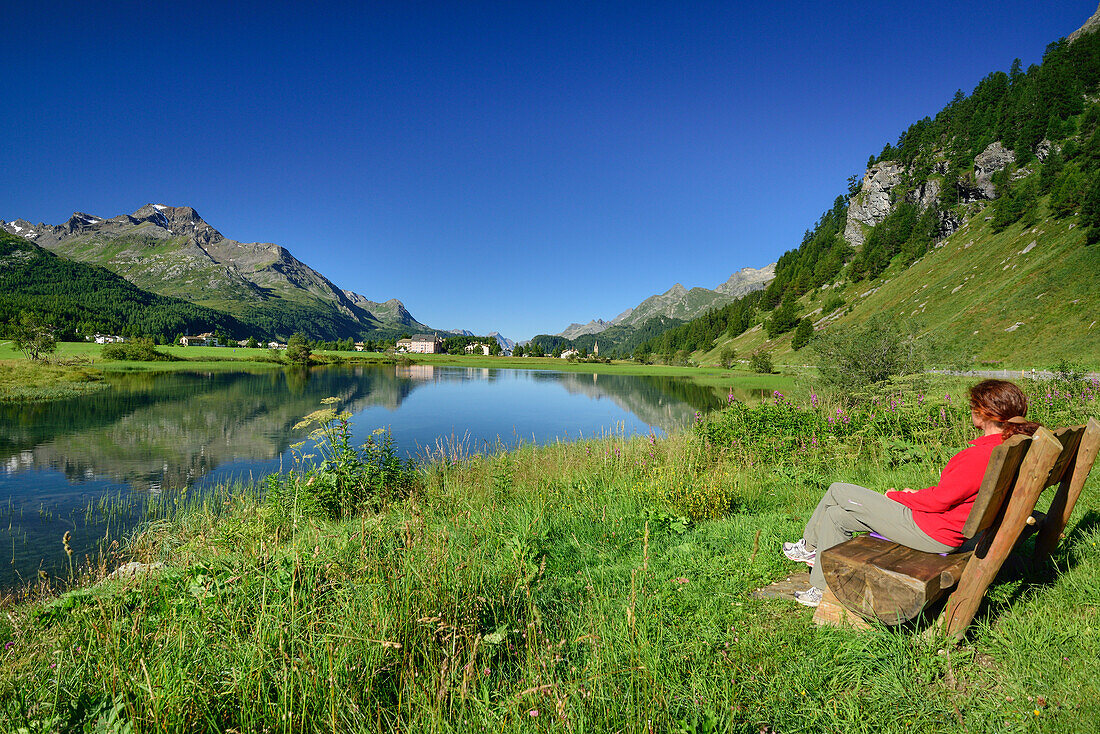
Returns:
(1003, 403)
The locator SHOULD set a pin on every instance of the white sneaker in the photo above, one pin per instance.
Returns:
(798, 552)
(811, 597)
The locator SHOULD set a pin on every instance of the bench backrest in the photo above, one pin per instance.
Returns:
(1000, 476)
(1004, 469)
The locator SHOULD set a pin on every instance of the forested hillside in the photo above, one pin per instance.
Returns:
(1001, 186)
(172, 251)
(78, 299)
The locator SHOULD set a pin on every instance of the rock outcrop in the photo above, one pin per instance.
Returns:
(873, 202)
(994, 158)
(595, 326)
(875, 199)
(1090, 25)
(747, 280)
(926, 194)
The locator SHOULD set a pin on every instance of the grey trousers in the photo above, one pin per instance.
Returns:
(849, 508)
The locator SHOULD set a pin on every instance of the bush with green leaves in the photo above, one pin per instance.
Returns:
(32, 336)
(831, 303)
(136, 350)
(298, 349)
(761, 362)
(346, 480)
(852, 359)
(727, 358)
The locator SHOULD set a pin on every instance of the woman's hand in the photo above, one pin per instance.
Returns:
(907, 489)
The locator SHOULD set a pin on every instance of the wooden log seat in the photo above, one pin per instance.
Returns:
(884, 581)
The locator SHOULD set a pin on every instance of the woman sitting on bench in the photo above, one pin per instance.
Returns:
(929, 520)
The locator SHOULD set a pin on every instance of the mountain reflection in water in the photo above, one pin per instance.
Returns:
(173, 430)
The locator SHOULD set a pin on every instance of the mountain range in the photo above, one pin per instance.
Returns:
(171, 251)
(680, 303)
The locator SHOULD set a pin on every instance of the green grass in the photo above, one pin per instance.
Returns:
(24, 381)
(973, 288)
(578, 587)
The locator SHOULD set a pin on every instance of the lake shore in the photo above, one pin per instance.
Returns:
(597, 585)
(77, 368)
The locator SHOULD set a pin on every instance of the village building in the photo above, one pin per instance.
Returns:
(570, 353)
(360, 346)
(477, 347)
(200, 340)
(109, 339)
(421, 344)
(276, 345)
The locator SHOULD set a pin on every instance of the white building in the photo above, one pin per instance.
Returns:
(421, 344)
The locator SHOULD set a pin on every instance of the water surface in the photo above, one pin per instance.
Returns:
(160, 432)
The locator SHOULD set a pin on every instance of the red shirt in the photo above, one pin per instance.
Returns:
(941, 511)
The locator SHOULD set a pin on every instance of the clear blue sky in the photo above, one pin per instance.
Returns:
(509, 166)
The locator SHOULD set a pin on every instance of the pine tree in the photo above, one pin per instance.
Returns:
(802, 334)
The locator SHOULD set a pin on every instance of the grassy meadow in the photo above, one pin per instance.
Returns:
(78, 367)
(594, 586)
(1013, 299)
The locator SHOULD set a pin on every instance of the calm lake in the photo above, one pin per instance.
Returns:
(155, 433)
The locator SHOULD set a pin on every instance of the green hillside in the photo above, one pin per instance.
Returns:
(980, 225)
(172, 251)
(84, 299)
(987, 295)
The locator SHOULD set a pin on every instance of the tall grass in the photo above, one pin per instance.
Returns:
(602, 585)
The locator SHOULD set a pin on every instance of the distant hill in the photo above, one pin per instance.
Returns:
(679, 303)
(391, 312)
(656, 314)
(982, 223)
(78, 299)
(171, 251)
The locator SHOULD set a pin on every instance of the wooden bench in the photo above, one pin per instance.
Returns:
(870, 578)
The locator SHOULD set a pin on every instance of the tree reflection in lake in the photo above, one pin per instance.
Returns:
(172, 430)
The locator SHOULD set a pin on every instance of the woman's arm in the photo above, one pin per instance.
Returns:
(959, 482)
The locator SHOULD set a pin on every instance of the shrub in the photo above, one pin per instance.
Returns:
(802, 334)
(347, 480)
(298, 349)
(854, 358)
(137, 350)
(761, 362)
(31, 335)
(727, 357)
(832, 303)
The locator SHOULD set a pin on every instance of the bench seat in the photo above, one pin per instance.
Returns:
(882, 580)
(876, 579)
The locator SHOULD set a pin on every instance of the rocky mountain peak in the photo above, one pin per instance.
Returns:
(1090, 25)
(80, 221)
(747, 280)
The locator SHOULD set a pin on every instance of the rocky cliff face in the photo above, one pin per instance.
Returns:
(1090, 25)
(877, 198)
(874, 201)
(747, 280)
(595, 326)
(390, 312)
(172, 251)
(994, 158)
